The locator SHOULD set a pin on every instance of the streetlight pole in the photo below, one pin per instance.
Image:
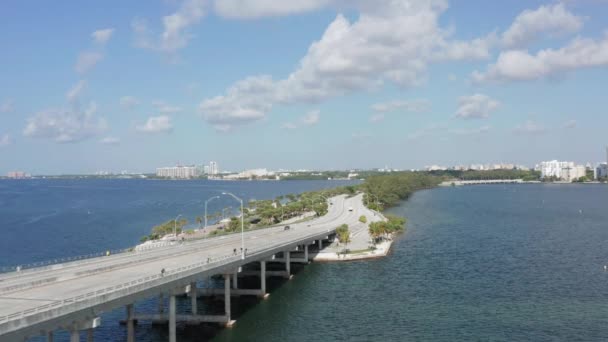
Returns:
(175, 226)
(206, 202)
(242, 223)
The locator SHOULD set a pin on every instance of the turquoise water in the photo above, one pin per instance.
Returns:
(486, 263)
(483, 263)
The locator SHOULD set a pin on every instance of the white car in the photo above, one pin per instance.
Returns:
(350, 208)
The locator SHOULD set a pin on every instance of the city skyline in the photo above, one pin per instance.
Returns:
(323, 85)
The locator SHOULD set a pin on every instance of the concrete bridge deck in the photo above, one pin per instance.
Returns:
(69, 296)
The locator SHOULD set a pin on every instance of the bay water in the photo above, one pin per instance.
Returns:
(480, 263)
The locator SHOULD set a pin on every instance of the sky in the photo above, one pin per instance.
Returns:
(318, 84)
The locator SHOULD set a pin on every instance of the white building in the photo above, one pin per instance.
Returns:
(566, 171)
(214, 169)
(249, 174)
(183, 172)
(206, 169)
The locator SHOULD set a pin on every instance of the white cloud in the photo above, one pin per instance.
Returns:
(376, 117)
(65, 125)
(247, 9)
(176, 34)
(102, 36)
(7, 106)
(310, 119)
(530, 127)
(74, 93)
(408, 106)
(247, 101)
(519, 65)
(5, 140)
(165, 108)
(129, 102)
(476, 106)
(530, 24)
(473, 131)
(156, 124)
(391, 41)
(110, 141)
(87, 60)
(570, 124)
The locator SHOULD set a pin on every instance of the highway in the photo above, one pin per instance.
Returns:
(36, 299)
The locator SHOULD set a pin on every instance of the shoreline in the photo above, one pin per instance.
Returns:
(382, 250)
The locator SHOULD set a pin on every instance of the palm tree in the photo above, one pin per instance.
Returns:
(344, 237)
(199, 220)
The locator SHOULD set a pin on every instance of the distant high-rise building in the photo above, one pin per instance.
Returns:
(601, 170)
(206, 169)
(17, 175)
(566, 171)
(183, 172)
(214, 169)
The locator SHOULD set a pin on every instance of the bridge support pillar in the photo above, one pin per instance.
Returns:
(229, 321)
(306, 252)
(287, 264)
(130, 324)
(263, 277)
(235, 281)
(49, 336)
(320, 244)
(172, 329)
(87, 325)
(74, 336)
(227, 295)
(194, 297)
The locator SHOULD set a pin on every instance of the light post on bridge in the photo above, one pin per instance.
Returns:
(206, 202)
(242, 223)
(175, 226)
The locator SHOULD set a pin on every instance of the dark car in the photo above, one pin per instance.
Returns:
(287, 228)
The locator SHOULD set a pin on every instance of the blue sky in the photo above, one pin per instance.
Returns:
(326, 84)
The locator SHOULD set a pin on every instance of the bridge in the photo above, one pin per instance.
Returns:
(71, 296)
(481, 182)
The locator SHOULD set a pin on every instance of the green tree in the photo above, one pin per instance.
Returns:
(363, 219)
(167, 228)
(343, 234)
(235, 225)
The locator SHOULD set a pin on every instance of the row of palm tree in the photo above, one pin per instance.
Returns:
(383, 230)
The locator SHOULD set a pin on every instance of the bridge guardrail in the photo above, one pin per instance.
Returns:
(170, 275)
(47, 264)
(58, 261)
